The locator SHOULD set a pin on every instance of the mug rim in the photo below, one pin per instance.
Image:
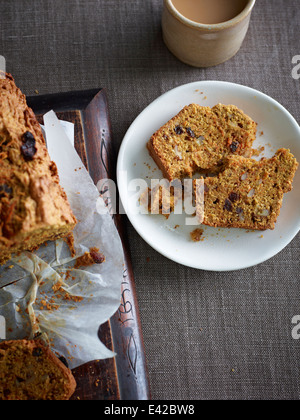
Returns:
(213, 26)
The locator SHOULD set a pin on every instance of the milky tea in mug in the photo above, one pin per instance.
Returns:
(210, 11)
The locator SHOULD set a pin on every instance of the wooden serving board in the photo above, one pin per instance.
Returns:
(124, 377)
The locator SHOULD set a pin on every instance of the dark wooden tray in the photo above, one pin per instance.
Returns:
(124, 377)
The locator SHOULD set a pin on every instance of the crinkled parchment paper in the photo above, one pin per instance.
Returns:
(42, 292)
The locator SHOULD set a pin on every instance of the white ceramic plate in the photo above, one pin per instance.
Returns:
(221, 249)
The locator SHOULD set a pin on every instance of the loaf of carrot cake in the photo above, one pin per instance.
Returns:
(246, 193)
(200, 138)
(30, 371)
(33, 206)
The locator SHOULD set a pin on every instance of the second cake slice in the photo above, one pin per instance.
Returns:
(199, 138)
(247, 193)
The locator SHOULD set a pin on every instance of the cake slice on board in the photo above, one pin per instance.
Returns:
(29, 370)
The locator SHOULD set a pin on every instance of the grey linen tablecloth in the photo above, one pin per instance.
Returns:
(207, 335)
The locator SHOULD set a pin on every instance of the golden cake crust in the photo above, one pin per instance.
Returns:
(29, 370)
(33, 206)
(247, 193)
(200, 138)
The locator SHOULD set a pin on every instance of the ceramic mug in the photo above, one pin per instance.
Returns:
(203, 45)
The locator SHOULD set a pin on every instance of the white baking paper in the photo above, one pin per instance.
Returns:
(42, 292)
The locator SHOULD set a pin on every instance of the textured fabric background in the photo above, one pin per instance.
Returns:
(207, 335)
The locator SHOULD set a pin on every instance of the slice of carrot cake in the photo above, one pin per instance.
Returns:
(199, 138)
(247, 193)
(29, 370)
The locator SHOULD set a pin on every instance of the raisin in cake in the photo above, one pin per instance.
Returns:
(199, 138)
(30, 371)
(247, 193)
(33, 206)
